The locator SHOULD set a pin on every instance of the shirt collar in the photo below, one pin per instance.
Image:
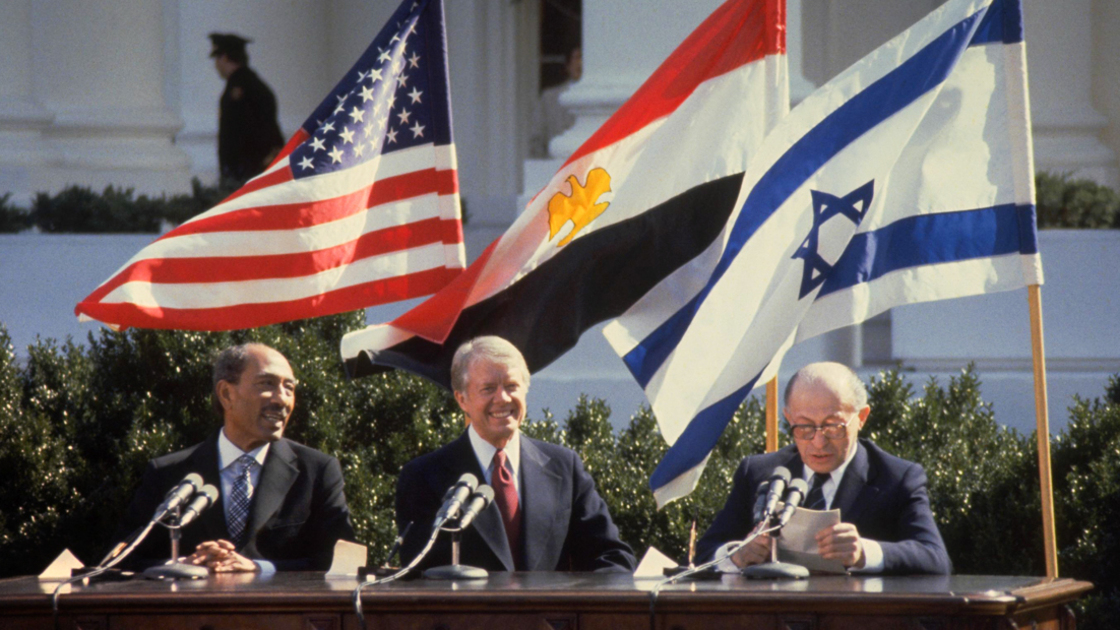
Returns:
(484, 450)
(228, 452)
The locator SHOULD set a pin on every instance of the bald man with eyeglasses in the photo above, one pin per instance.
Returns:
(886, 523)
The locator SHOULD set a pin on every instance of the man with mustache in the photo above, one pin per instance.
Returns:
(546, 514)
(281, 506)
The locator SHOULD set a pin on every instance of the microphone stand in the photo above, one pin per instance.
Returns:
(173, 569)
(455, 571)
(775, 570)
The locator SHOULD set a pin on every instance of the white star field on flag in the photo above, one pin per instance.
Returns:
(372, 110)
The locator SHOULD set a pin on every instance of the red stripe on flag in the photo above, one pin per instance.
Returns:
(305, 214)
(452, 231)
(737, 33)
(434, 318)
(252, 315)
(242, 268)
(298, 138)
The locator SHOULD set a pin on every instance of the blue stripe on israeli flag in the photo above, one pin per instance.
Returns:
(932, 239)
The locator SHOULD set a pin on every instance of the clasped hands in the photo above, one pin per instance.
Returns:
(220, 556)
(837, 542)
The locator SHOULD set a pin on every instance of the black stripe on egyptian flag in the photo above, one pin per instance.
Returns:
(595, 278)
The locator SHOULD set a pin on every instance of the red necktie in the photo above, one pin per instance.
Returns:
(505, 495)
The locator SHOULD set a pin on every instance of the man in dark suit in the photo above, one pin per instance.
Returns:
(546, 515)
(282, 505)
(248, 132)
(886, 527)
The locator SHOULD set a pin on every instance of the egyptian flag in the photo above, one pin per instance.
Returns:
(648, 193)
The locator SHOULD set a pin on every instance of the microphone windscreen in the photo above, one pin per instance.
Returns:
(469, 480)
(210, 492)
(781, 472)
(800, 486)
(486, 492)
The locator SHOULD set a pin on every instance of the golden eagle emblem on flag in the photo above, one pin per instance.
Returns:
(580, 207)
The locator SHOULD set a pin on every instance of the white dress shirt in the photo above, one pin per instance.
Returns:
(484, 451)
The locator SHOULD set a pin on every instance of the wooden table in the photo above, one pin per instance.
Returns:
(550, 601)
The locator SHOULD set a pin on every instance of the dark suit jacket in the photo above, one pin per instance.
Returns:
(882, 495)
(248, 131)
(298, 512)
(565, 524)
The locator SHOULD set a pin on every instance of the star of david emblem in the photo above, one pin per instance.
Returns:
(854, 206)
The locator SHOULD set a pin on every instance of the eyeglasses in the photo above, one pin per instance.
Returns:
(807, 432)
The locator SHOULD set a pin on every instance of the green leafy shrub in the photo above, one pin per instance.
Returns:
(1065, 202)
(78, 209)
(12, 218)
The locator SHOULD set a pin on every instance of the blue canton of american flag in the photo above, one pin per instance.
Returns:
(360, 208)
(386, 102)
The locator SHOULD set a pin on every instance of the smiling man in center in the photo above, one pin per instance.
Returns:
(546, 514)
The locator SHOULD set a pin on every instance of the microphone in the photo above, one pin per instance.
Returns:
(177, 495)
(455, 497)
(479, 500)
(203, 499)
(798, 490)
(779, 479)
(760, 501)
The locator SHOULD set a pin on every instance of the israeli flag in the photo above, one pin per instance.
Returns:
(907, 178)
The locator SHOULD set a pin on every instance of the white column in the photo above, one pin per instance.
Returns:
(1060, 59)
(799, 85)
(23, 153)
(99, 67)
(485, 64)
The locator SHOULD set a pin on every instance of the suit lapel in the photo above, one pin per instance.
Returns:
(854, 493)
(204, 461)
(488, 524)
(540, 488)
(277, 476)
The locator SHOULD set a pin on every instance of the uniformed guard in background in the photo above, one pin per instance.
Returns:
(248, 133)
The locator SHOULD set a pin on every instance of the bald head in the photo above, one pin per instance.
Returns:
(836, 377)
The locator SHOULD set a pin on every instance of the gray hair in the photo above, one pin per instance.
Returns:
(836, 375)
(488, 347)
(228, 366)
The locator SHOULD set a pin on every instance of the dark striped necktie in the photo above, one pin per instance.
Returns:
(241, 496)
(815, 500)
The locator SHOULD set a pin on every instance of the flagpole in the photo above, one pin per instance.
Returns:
(1042, 419)
(772, 415)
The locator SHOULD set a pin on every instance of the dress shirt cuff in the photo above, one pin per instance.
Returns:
(727, 565)
(266, 567)
(872, 557)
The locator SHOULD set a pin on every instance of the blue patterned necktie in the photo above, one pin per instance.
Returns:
(240, 498)
(815, 500)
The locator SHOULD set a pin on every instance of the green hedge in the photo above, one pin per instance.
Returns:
(81, 210)
(1067, 202)
(78, 423)
(12, 218)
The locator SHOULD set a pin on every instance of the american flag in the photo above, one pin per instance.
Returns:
(360, 208)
